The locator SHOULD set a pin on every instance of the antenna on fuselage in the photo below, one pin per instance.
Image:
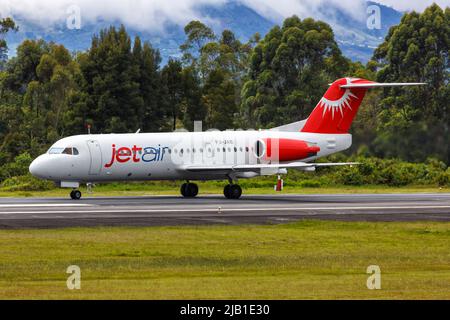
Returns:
(139, 130)
(89, 128)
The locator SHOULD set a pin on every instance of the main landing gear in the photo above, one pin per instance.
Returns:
(75, 194)
(232, 191)
(189, 190)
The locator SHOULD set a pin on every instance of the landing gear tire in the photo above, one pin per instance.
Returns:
(189, 190)
(232, 191)
(75, 194)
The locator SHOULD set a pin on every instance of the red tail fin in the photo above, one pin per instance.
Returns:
(335, 111)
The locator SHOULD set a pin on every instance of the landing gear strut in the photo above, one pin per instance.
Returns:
(232, 191)
(75, 194)
(189, 190)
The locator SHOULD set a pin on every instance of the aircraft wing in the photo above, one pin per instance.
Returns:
(256, 167)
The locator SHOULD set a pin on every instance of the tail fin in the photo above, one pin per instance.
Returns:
(335, 111)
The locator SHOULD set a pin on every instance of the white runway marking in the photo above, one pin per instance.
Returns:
(45, 205)
(228, 209)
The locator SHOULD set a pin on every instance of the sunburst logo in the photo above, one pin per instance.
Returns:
(337, 99)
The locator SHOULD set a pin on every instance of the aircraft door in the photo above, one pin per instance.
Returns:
(96, 157)
(209, 152)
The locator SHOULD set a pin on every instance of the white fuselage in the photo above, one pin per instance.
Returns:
(163, 156)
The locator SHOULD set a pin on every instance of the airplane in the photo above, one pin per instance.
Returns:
(210, 155)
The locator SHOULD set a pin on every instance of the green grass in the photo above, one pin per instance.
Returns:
(309, 259)
(213, 187)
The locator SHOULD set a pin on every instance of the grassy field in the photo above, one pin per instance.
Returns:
(173, 188)
(308, 259)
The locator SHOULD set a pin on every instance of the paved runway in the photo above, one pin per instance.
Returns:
(257, 209)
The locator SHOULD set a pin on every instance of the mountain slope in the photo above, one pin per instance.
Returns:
(353, 36)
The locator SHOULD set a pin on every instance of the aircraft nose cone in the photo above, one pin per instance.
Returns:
(36, 168)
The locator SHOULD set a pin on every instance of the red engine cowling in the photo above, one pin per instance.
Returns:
(289, 149)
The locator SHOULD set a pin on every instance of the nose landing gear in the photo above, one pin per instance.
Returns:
(189, 190)
(75, 194)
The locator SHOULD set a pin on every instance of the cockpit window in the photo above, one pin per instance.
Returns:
(55, 150)
(68, 150)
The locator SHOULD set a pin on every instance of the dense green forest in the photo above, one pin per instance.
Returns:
(119, 85)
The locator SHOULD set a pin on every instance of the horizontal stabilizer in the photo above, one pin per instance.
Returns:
(376, 85)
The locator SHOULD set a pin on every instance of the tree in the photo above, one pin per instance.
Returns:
(6, 25)
(22, 69)
(414, 123)
(234, 55)
(227, 54)
(46, 99)
(192, 104)
(111, 83)
(147, 59)
(289, 71)
(173, 88)
(35, 92)
(215, 69)
(182, 95)
(220, 101)
(197, 35)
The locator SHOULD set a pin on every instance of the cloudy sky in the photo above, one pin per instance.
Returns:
(151, 14)
(418, 5)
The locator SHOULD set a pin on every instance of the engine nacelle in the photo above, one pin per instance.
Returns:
(286, 149)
